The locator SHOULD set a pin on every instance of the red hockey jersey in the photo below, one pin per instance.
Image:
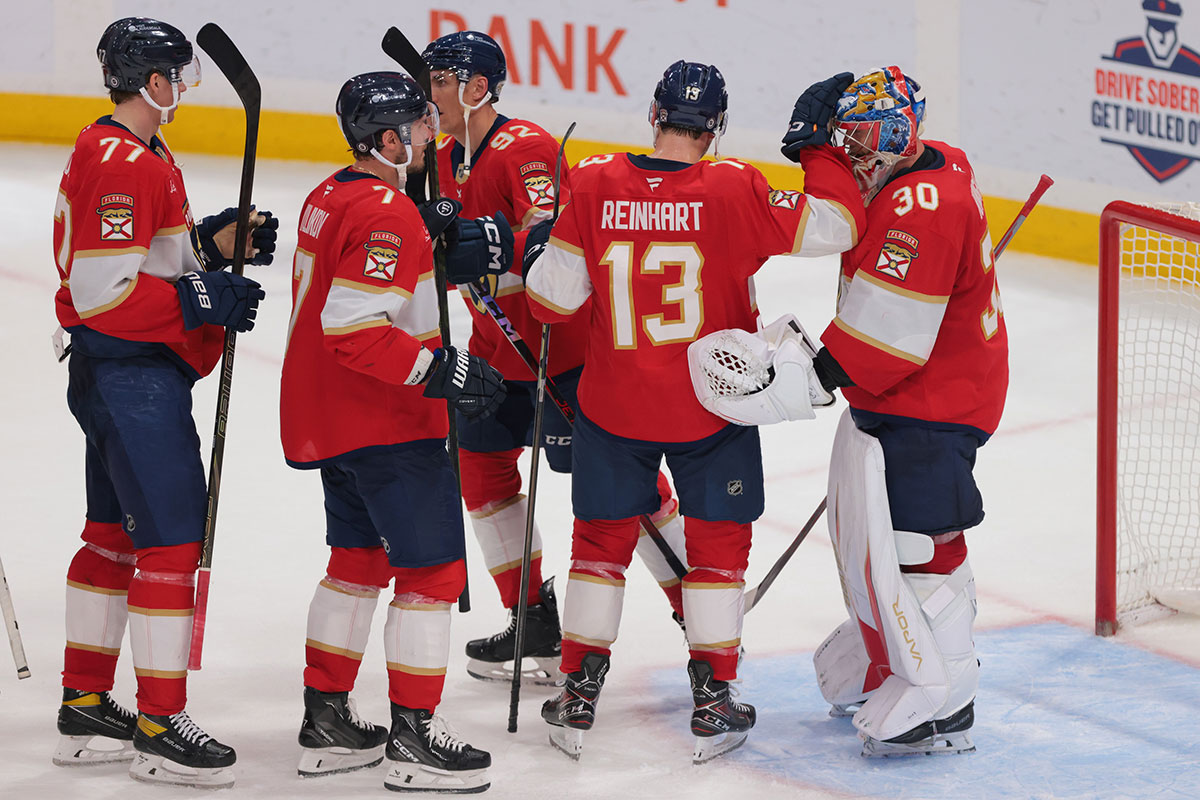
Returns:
(364, 310)
(122, 237)
(919, 327)
(666, 251)
(512, 173)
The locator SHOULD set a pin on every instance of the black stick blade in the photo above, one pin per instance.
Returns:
(224, 53)
(398, 48)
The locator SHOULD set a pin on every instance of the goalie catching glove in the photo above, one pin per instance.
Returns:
(475, 387)
(758, 378)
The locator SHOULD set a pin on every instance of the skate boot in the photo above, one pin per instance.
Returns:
(94, 729)
(173, 749)
(574, 711)
(945, 736)
(491, 659)
(333, 737)
(719, 723)
(424, 754)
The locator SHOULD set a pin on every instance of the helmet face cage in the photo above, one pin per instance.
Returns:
(469, 53)
(693, 96)
(878, 121)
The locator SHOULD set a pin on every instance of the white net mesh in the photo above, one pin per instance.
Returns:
(731, 367)
(1158, 418)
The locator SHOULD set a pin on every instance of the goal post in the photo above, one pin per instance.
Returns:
(1148, 414)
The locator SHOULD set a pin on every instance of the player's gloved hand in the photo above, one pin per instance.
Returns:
(216, 234)
(535, 243)
(218, 298)
(479, 247)
(811, 115)
(439, 214)
(475, 387)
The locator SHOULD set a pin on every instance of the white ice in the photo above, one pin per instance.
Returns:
(1033, 557)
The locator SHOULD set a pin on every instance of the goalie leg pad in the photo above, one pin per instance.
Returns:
(843, 669)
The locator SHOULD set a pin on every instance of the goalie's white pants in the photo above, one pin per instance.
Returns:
(912, 630)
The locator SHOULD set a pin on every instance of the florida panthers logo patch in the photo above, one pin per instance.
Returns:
(897, 254)
(784, 198)
(540, 189)
(116, 218)
(383, 251)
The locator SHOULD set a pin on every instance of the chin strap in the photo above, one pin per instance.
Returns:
(462, 88)
(163, 110)
(398, 167)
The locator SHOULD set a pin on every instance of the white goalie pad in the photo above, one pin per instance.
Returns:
(842, 664)
(923, 623)
(757, 378)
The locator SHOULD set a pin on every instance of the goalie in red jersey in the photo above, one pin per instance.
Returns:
(655, 252)
(920, 351)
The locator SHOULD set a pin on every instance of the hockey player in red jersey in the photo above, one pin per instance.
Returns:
(920, 350)
(665, 248)
(495, 165)
(146, 321)
(363, 399)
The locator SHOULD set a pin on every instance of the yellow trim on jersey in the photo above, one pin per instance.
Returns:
(373, 323)
(878, 345)
(333, 651)
(172, 231)
(161, 612)
(372, 288)
(798, 242)
(845, 212)
(98, 590)
(116, 251)
(513, 564)
(705, 585)
(570, 248)
(728, 644)
(935, 299)
(159, 673)
(583, 576)
(406, 669)
(566, 312)
(91, 312)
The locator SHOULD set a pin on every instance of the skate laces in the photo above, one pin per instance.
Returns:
(355, 719)
(507, 632)
(188, 729)
(116, 707)
(440, 733)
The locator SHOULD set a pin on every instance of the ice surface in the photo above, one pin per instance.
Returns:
(1060, 713)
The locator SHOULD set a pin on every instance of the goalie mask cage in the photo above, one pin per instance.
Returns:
(1148, 409)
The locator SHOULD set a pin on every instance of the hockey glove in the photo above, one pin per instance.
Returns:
(482, 247)
(215, 235)
(812, 114)
(439, 214)
(473, 385)
(218, 298)
(535, 243)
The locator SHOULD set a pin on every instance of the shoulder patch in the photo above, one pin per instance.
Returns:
(534, 166)
(383, 251)
(897, 254)
(540, 189)
(784, 198)
(116, 217)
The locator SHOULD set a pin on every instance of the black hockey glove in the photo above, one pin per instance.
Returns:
(215, 236)
(439, 215)
(830, 372)
(479, 247)
(473, 385)
(218, 298)
(535, 243)
(811, 116)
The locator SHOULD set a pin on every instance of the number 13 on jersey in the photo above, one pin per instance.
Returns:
(686, 295)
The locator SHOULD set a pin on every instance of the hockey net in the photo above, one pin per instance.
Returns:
(1148, 464)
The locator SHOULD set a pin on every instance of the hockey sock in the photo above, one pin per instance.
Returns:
(712, 592)
(161, 602)
(600, 552)
(417, 634)
(339, 616)
(670, 528)
(97, 588)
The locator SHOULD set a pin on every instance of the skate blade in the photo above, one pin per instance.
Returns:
(942, 744)
(156, 769)
(91, 751)
(710, 747)
(405, 776)
(568, 740)
(318, 761)
(838, 710)
(543, 672)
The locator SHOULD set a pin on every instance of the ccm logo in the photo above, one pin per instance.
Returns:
(495, 251)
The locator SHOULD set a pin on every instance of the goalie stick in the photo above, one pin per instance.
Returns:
(14, 631)
(398, 48)
(754, 595)
(233, 65)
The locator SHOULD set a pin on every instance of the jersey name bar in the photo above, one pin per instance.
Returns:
(650, 215)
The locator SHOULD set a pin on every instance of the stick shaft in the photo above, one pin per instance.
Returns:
(14, 630)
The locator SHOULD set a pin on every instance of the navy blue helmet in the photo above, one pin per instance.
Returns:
(133, 48)
(691, 95)
(374, 102)
(469, 53)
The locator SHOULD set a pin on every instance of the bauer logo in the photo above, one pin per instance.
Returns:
(1147, 94)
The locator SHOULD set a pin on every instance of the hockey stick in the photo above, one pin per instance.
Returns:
(397, 47)
(10, 622)
(754, 595)
(539, 416)
(230, 61)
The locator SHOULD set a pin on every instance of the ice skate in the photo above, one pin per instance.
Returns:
(945, 736)
(839, 710)
(574, 711)
(719, 723)
(173, 749)
(491, 659)
(424, 754)
(334, 739)
(94, 729)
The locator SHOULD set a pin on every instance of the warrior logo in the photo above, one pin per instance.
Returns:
(383, 251)
(116, 218)
(540, 189)
(897, 254)
(784, 198)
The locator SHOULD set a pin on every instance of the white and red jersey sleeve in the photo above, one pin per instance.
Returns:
(364, 321)
(122, 238)
(665, 252)
(919, 326)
